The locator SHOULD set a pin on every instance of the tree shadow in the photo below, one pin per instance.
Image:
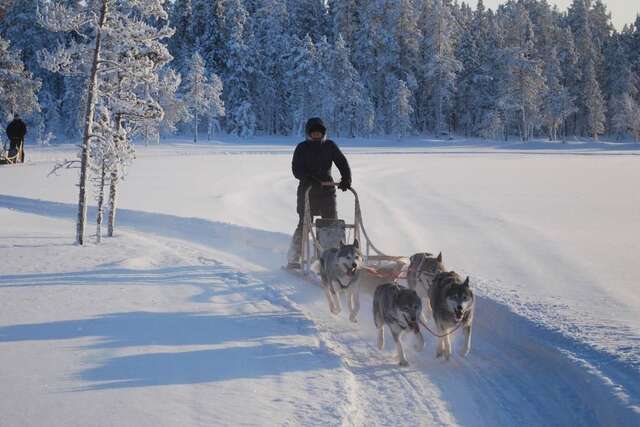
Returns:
(252, 346)
(172, 329)
(205, 366)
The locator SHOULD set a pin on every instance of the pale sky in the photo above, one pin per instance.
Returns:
(622, 11)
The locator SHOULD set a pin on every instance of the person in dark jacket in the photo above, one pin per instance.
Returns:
(16, 131)
(311, 165)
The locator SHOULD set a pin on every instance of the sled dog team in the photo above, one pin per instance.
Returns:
(448, 298)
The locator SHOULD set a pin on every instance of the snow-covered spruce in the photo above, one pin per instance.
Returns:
(201, 95)
(18, 88)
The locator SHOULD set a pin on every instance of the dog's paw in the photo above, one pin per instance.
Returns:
(465, 351)
(353, 318)
(403, 363)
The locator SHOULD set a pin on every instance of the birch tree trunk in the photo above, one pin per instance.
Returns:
(195, 133)
(112, 203)
(113, 188)
(103, 175)
(88, 125)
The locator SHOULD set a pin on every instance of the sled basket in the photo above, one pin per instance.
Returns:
(328, 233)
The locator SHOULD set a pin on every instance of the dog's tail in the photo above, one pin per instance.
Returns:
(316, 266)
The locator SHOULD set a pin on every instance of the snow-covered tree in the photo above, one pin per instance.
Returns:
(593, 103)
(20, 28)
(174, 107)
(622, 86)
(271, 47)
(464, 68)
(182, 44)
(558, 103)
(625, 119)
(590, 102)
(352, 112)
(524, 81)
(344, 17)
(440, 64)
(202, 94)
(237, 70)
(120, 56)
(108, 150)
(305, 80)
(399, 98)
(18, 88)
(309, 17)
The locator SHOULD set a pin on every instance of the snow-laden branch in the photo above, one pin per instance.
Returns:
(59, 18)
(65, 164)
(71, 60)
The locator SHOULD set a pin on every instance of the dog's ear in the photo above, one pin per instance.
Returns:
(466, 283)
(439, 259)
(356, 244)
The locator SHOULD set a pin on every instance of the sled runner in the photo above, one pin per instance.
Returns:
(328, 233)
(8, 158)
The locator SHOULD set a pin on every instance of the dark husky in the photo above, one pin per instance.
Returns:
(339, 269)
(400, 309)
(452, 304)
(423, 269)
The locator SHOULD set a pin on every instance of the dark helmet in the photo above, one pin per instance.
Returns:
(315, 124)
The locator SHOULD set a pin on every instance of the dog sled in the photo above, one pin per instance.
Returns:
(8, 157)
(323, 234)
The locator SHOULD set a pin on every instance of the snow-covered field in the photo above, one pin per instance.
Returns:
(186, 318)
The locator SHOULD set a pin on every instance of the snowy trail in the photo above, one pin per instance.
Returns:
(154, 331)
(550, 372)
(538, 357)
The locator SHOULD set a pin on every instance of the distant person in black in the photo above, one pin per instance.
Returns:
(16, 132)
(312, 161)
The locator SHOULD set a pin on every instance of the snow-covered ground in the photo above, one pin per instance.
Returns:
(186, 318)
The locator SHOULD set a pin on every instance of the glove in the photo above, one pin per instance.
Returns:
(345, 184)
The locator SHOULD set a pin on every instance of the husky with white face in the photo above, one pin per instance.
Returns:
(339, 270)
(452, 303)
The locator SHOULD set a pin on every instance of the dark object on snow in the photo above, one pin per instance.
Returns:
(16, 131)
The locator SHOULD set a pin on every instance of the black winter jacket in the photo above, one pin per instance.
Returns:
(311, 164)
(16, 129)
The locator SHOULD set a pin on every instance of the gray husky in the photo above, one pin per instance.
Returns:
(400, 309)
(423, 268)
(452, 304)
(339, 269)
